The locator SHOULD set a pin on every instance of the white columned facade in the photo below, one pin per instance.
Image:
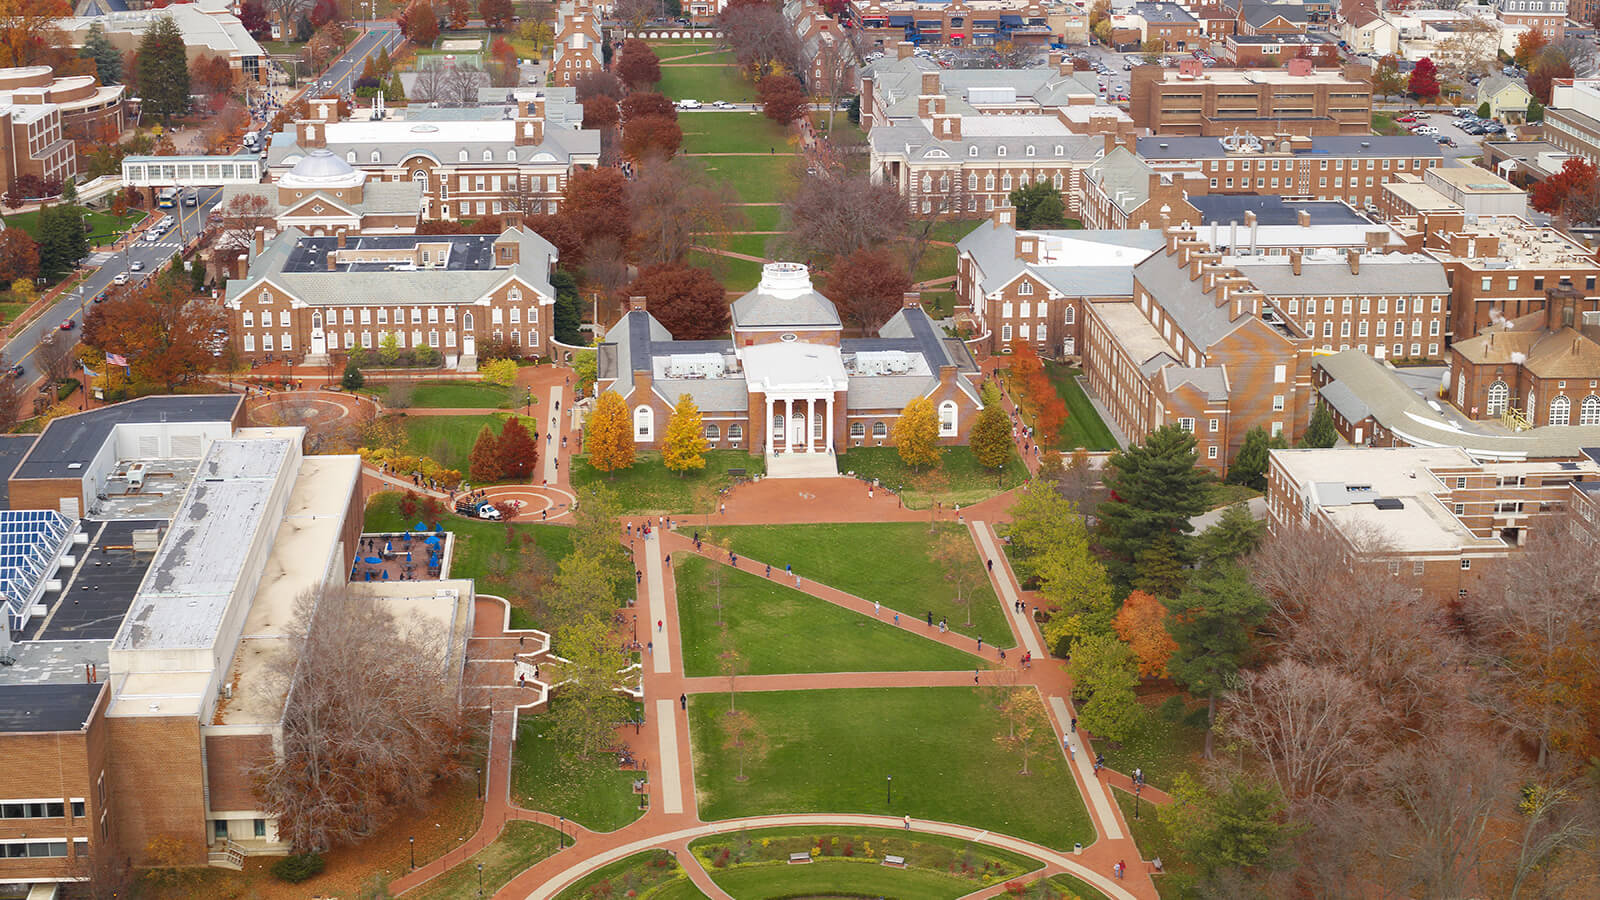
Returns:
(768, 402)
(828, 411)
(788, 428)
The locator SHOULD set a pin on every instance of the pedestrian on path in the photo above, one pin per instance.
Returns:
(974, 676)
(659, 624)
(683, 701)
(638, 577)
(930, 618)
(896, 619)
(797, 581)
(874, 609)
(908, 823)
(769, 570)
(980, 643)
(724, 509)
(991, 565)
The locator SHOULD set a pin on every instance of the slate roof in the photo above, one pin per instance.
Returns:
(913, 138)
(1124, 177)
(1272, 209)
(1209, 380)
(1195, 312)
(759, 309)
(1563, 353)
(377, 197)
(899, 82)
(1183, 147)
(442, 139)
(1329, 273)
(993, 248)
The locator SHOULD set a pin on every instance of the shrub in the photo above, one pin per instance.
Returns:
(298, 868)
(500, 372)
(353, 379)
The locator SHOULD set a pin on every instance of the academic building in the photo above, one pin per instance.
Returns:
(1194, 100)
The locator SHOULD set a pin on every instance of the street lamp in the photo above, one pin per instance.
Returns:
(563, 825)
(888, 790)
(413, 854)
(528, 404)
(480, 879)
(480, 782)
(1137, 787)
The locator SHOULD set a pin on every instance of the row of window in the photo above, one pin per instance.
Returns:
(1560, 408)
(1361, 328)
(1023, 332)
(1025, 310)
(40, 809)
(433, 314)
(1538, 282)
(1338, 182)
(1347, 306)
(41, 849)
(285, 341)
(1271, 165)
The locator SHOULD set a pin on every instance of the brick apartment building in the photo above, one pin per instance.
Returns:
(826, 49)
(959, 23)
(1194, 100)
(578, 49)
(467, 167)
(1572, 118)
(1549, 17)
(1540, 369)
(1123, 191)
(1434, 517)
(1257, 51)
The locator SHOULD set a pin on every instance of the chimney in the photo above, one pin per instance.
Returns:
(1189, 67)
(310, 134)
(530, 132)
(1303, 218)
(946, 127)
(333, 262)
(1250, 222)
(1354, 256)
(241, 265)
(903, 50)
(1053, 59)
(947, 375)
(636, 304)
(325, 110)
(1003, 216)
(1027, 247)
(930, 83)
(911, 300)
(1295, 258)
(261, 238)
(341, 239)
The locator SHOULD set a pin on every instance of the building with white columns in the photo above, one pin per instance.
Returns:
(788, 384)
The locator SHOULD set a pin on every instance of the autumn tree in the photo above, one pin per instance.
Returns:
(783, 100)
(598, 84)
(678, 206)
(516, 449)
(687, 301)
(868, 287)
(25, 26)
(1141, 624)
(742, 733)
(1529, 45)
(19, 256)
(1039, 517)
(634, 13)
(595, 202)
(496, 14)
(608, 434)
(637, 65)
(638, 104)
(419, 23)
(600, 112)
(1310, 725)
(761, 38)
(483, 463)
(1157, 489)
(953, 555)
(990, 438)
(371, 724)
(685, 445)
(1572, 194)
(1213, 623)
(457, 13)
(916, 434)
(831, 215)
(163, 71)
(1387, 79)
(1073, 583)
(1561, 59)
(1424, 80)
(649, 138)
(164, 331)
(11, 409)
(1104, 670)
(1027, 733)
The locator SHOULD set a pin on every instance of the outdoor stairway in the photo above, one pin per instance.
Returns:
(227, 855)
(802, 465)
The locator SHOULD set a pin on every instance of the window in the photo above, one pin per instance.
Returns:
(288, 342)
(1211, 452)
(1560, 411)
(1277, 403)
(713, 432)
(349, 317)
(1461, 509)
(383, 317)
(1465, 564)
(644, 423)
(1214, 424)
(1499, 396)
(1345, 306)
(1071, 315)
(1280, 374)
(947, 418)
(376, 157)
(264, 297)
(249, 319)
(1005, 332)
(350, 157)
(735, 433)
(1187, 424)
(366, 317)
(1417, 567)
(972, 178)
(1001, 150)
(462, 156)
(416, 315)
(1030, 150)
(1589, 411)
(266, 342)
(880, 430)
(1025, 288)
(858, 430)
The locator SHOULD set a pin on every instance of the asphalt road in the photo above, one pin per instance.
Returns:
(107, 265)
(341, 76)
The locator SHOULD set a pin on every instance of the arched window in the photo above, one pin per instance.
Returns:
(735, 433)
(1060, 151)
(466, 321)
(880, 430)
(817, 422)
(511, 155)
(713, 432)
(1560, 411)
(644, 423)
(1030, 150)
(515, 294)
(947, 418)
(1072, 314)
(350, 157)
(927, 182)
(1589, 411)
(420, 177)
(376, 157)
(1499, 396)
(973, 150)
(316, 321)
(777, 424)
(488, 155)
(858, 430)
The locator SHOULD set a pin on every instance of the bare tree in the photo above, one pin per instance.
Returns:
(832, 215)
(761, 38)
(634, 13)
(54, 357)
(11, 411)
(236, 221)
(838, 55)
(460, 87)
(1311, 726)
(1471, 49)
(676, 206)
(372, 720)
(429, 86)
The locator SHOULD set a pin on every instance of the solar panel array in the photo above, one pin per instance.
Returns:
(29, 542)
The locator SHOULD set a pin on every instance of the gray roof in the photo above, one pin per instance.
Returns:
(377, 197)
(1272, 209)
(1180, 147)
(710, 394)
(1325, 274)
(1260, 12)
(47, 707)
(899, 82)
(887, 391)
(1124, 177)
(1164, 12)
(1494, 84)
(1374, 388)
(1211, 380)
(401, 139)
(1201, 319)
(77, 438)
(759, 309)
(912, 138)
(993, 248)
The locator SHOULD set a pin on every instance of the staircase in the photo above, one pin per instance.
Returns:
(802, 465)
(226, 855)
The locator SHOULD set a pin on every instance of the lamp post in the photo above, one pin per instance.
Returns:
(563, 825)
(480, 879)
(1137, 787)
(527, 405)
(888, 790)
(480, 782)
(413, 854)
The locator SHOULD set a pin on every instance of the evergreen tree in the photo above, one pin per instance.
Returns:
(1320, 431)
(916, 434)
(1232, 834)
(569, 308)
(685, 445)
(991, 433)
(107, 59)
(1250, 465)
(1038, 206)
(608, 435)
(353, 379)
(163, 70)
(483, 463)
(1213, 622)
(1235, 534)
(61, 240)
(197, 274)
(1157, 569)
(1155, 489)
(516, 450)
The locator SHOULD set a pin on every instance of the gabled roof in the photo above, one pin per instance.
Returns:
(1077, 263)
(1124, 177)
(1194, 311)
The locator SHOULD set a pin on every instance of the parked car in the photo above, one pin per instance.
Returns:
(688, 104)
(721, 104)
(67, 325)
(122, 278)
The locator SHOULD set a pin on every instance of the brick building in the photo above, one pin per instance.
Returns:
(468, 167)
(1255, 51)
(1548, 17)
(1435, 517)
(1572, 118)
(958, 23)
(578, 49)
(1123, 191)
(1540, 369)
(1195, 100)
(324, 194)
(1468, 190)
(826, 49)
(90, 111)
(309, 298)
(788, 384)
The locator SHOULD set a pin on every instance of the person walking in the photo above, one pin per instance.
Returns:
(974, 676)
(659, 625)
(930, 618)
(874, 609)
(980, 643)
(683, 701)
(908, 822)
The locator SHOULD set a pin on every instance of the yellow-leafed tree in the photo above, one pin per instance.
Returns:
(916, 434)
(685, 446)
(608, 436)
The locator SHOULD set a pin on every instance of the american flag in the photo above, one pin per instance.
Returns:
(115, 359)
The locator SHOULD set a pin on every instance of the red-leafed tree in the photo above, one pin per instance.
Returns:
(495, 13)
(419, 23)
(783, 99)
(600, 112)
(651, 137)
(687, 301)
(563, 232)
(637, 65)
(1424, 80)
(19, 256)
(517, 451)
(457, 13)
(253, 16)
(1552, 62)
(642, 103)
(164, 331)
(868, 286)
(1572, 193)
(323, 12)
(596, 202)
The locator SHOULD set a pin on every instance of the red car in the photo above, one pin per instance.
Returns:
(67, 325)
(1406, 119)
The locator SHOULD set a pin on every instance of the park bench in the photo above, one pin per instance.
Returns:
(801, 857)
(736, 472)
(898, 862)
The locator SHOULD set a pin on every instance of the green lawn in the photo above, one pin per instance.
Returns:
(735, 274)
(965, 481)
(845, 133)
(1165, 740)
(952, 230)
(1084, 427)
(1154, 840)
(705, 83)
(102, 225)
(939, 304)
(670, 50)
(1384, 123)
(453, 395)
(1220, 494)
(520, 845)
(447, 439)
(647, 486)
(480, 547)
(731, 132)
(933, 853)
(938, 261)
(594, 793)
(1070, 888)
(832, 750)
(837, 878)
(652, 874)
(10, 311)
(760, 617)
(756, 179)
(762, 218)
(887, 562)
(762, 245)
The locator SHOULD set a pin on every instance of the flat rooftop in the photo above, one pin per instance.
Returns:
(70, 442)
(1260, 76)
(98, 591)
(165, 483)
(26, 708)
(1133, 331)
(1273, 209)
(1522, 245)
(467, 252)
(1473, 180)
(13, 447)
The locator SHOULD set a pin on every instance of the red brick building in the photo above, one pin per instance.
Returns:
(1195, 100)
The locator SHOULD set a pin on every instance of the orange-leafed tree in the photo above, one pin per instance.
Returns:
(637, 65)
(651, 137)
(25, 27)
(1141, 624)
(1025, 359)
(457, 12)
(162, 328)
(517, 451)
(1572, 193)
(608, 434)
(483, 463)
(783, 99)
(1529, 44)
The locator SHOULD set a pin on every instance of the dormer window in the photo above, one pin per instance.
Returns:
(1060, 151)
(972, 151)
(515, 295)
(350, 156)
(1030, 149)
(511, 156)
(376, 157)
(488, 156)
(461, 156)
(1002, 150)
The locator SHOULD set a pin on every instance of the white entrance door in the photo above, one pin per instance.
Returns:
(469, 344)
(319, 341)
(797, 433)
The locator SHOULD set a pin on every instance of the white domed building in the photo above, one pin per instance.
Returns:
(322, 195)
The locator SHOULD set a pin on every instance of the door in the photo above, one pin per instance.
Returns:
(797, 432)
(319, 341)
(469, 345)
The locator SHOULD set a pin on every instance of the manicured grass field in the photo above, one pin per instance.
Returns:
(447, 439)
(762, 218)
(480, 546)
(762, 245)
(1154, 840)
(1165, 740)
(667, 51)
(832, 750)
(735, 274)
(647, 486)
(452, 395)
(1084, 427)
(519, 846)
(10, 311)
(887, 562)
(705, 83)
(102, 225)
(936, 853)
(839, 877)
(756, 179)
(593, 792)
(652, 873)
(1068, 886)
(966, 481)
(845, 132)
(1220, 494)
(777, 629)
(938, 261)
(731, 132)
